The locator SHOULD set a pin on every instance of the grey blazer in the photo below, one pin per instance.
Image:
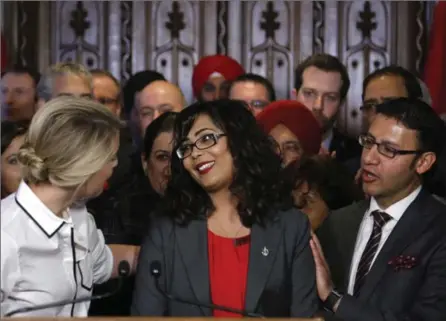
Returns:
(280, 284)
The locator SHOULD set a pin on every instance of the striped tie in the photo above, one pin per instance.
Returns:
(379, 220)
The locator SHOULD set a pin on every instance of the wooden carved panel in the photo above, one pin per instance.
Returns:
(178, 39)
(269, 41)
(365, 48)
(269, 38)
(79, 36)
(175, 39)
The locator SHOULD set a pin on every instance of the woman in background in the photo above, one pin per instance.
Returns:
(126, 220)
(320, 185)
(50, 247)
(228, 233)
(13, 135)
(158, 150)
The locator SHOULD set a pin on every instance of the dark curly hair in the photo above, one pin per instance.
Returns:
(256, 182)
(11, 130)
(325, 176)
(162, 124)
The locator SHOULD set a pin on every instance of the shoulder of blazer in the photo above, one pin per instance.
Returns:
(161, 226)
(344, 214)
(291, 216)
(437, 206)
(293, 222)
(341, 220)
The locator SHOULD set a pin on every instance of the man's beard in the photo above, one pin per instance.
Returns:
(325, 123)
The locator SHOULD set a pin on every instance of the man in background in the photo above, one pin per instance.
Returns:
(387, 83)
(19, 94)
(256, 91)
(322, 84)
(107, 90)
(155, 99)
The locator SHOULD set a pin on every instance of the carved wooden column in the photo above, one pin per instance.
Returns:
(21, 29)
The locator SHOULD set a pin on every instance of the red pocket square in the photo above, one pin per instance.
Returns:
(403, 262)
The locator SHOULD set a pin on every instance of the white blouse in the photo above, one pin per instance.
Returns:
(45, 258)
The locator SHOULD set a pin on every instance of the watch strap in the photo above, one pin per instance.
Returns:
(331, 300)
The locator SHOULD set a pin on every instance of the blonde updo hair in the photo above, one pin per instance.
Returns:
(69, 139)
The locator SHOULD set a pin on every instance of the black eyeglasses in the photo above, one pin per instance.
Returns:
(367, 142)
(106, 100)
(260, 104)
(286, 147)
(204, 142)
(370, 106)
(367, 107)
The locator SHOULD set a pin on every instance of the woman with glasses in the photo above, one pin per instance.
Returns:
(13, 136)
(229, 235)
(293, 128)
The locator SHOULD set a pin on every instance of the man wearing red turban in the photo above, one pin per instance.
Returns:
(293, 127)
(213, 75)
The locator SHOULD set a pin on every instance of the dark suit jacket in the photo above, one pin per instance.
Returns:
(418, 293)
(346, 147)
(279, 284)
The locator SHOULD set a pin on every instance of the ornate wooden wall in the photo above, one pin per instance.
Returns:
(268, 38)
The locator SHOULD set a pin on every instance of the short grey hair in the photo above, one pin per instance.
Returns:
(46, 83)
(43, 90)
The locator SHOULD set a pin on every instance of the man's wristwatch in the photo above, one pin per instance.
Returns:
(331, 300)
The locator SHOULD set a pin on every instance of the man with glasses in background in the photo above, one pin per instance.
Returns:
(256, 91)
(390, 83)
(107, 90)
(387, 83)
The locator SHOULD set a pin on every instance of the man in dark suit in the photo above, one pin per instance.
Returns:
(321, 84)
(387, 255)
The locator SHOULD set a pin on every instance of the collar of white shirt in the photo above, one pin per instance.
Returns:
(397, 209)
(44, 218)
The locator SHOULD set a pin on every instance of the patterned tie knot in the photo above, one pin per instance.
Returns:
(381, 218)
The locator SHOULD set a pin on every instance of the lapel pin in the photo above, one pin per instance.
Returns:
(265, 251)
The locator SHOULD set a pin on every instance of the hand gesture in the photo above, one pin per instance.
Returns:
(323, 277)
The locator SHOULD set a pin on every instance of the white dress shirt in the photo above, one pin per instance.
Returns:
(326, 143)
(395, 211)
(45, 258)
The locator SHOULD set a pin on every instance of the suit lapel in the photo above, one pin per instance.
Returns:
(263, 251)
(193, 245)
(351, 230)
(412, 224)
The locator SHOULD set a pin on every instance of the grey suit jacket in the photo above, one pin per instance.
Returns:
(389, 294)
(279, 284)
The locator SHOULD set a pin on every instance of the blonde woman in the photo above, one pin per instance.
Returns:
(51, 249)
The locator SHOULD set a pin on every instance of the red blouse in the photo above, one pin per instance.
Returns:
(228, 272)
